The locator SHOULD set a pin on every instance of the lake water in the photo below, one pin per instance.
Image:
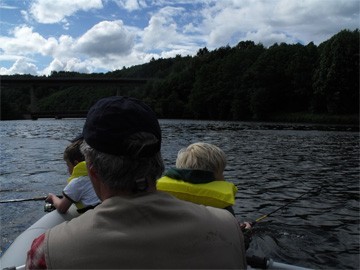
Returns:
(270, 163)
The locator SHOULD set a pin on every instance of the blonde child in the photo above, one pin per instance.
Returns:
(198, 177)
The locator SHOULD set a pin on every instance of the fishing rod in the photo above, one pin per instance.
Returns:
(281, 207)
(43, 198)
(25, 200)
(278, 209)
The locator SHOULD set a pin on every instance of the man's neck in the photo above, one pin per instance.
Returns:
(106, 192)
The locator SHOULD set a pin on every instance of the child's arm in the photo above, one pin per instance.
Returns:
(61, 204)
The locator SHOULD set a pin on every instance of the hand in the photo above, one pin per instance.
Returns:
(50, 198)
(246, 228)
(246, 225)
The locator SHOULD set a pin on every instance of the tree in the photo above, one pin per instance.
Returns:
(300, 70)
(336, 80)
(267, 79)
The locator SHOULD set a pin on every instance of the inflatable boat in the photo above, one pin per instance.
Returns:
(14, 258)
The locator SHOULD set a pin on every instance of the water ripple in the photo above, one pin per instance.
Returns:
(271, 164)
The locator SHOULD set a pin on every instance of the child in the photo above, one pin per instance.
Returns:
(79, 189)
(198, 177)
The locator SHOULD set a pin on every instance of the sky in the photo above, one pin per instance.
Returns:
(91, 36)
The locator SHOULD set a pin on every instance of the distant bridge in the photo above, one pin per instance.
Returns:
(57, 114)
(32, 82)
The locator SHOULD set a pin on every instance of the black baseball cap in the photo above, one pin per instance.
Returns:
(112, 120)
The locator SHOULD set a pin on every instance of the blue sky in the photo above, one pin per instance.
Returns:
(39, 36)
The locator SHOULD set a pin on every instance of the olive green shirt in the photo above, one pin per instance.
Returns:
(153, 230)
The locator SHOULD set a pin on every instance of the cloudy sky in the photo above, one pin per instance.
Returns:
(39, 36)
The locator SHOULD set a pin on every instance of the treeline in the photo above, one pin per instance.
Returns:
(244, 82)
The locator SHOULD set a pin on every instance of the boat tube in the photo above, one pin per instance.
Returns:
(14, 258)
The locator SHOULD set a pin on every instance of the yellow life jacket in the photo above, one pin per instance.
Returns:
(218, 194)
(79, 170)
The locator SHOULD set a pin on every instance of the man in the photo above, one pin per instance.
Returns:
(135, 226)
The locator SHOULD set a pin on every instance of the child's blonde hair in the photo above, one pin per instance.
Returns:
(202, 156)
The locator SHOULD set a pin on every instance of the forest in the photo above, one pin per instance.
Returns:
(247, 82)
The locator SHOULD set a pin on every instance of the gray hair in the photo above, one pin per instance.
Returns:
(122, 172)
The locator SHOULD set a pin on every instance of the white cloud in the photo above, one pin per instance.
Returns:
(228, 22)
(180, 27)
(55, 65)
(232, 22)
(107, 45)
(163, 31)
(268, 36)
(23, 42)
(69, 64)
(131, 5)
(5, 6)
(106, 38)
(169, 34)
(75, 64)
(65, 48)
(21, 66)
(50, 11)
(9, 57)
(49, 47)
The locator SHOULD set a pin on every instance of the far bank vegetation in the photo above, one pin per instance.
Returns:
(284, 82)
